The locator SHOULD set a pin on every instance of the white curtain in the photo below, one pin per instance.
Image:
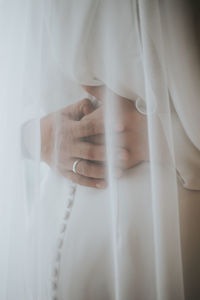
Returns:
(60, 240)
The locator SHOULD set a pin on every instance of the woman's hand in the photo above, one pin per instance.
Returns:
(130, 124)
(63, 142)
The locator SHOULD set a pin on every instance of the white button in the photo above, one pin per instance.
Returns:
(63, 228)
(72, 190)
(142, 107)
(67, 215)
(55, 272)
(70, 203)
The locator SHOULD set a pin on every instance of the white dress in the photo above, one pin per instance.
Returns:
(90, 39)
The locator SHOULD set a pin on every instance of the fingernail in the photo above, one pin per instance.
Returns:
(101, 185)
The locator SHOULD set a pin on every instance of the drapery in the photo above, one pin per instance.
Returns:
(131, 49)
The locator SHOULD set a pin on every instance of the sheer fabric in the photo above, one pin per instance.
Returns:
(61, 240)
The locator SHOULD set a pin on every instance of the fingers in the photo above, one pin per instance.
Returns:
(95, 170)
(120, 139)
(89, 174)
(89, 151)
(85, 181)
(94, 152)
(92, 124)
(78, 110)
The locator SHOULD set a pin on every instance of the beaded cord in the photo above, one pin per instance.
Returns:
(63, 228)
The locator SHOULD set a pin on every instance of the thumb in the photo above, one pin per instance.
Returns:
(86, 107)
(78, 110)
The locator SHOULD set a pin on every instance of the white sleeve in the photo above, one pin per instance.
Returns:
(183, 69)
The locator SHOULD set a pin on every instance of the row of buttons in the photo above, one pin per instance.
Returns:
(62, 232)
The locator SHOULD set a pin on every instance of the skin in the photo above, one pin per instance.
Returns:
(130, 127)
(80, 134)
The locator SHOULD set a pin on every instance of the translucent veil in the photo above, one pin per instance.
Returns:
(21, 28)
(52, 229)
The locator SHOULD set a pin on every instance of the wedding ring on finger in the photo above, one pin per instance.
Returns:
(75, 164)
